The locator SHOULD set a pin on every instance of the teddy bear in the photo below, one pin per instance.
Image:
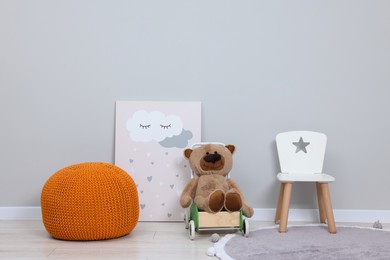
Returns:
(210, 189)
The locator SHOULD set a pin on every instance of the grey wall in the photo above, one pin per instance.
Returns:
(259, 68)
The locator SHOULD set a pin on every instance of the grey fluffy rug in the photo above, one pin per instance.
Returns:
(306, 242)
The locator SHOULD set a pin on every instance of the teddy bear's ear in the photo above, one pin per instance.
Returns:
(231, 148)
(187, 153)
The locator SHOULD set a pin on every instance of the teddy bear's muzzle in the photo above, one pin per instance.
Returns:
(212, 162)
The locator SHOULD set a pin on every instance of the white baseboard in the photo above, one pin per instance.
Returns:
(340, 215)
(10, 213)
(261, 214)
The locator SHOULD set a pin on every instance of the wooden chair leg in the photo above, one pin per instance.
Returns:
(328, 207)
(279, 206)
(321, 207)
(285, 207)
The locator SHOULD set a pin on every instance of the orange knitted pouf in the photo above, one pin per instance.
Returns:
(90, 201)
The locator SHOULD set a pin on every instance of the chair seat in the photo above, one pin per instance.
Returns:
(304, 177)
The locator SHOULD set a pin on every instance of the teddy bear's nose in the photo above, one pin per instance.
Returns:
(213, 157)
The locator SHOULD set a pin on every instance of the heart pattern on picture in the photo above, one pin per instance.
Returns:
(150, 178)
(143, 206)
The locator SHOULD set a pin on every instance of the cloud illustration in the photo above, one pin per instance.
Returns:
(153, 126)
(179, 141)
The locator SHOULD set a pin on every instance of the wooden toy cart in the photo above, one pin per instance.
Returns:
(196, 221)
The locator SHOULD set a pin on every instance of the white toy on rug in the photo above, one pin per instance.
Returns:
(211, 250)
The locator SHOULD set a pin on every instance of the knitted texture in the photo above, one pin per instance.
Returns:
(90, 201)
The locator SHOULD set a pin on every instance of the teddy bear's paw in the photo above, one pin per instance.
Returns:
(216, 200)
(185, 201)
(247, 211)
(233, 201)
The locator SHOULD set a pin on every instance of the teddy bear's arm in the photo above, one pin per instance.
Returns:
(246, 209)
(188, 193)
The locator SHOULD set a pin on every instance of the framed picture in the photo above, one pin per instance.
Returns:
(150, 138)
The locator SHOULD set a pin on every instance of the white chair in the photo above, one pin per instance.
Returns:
(301, 156)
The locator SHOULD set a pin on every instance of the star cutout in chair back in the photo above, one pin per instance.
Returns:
(301, 145)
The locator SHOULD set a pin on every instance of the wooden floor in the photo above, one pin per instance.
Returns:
(28, 239)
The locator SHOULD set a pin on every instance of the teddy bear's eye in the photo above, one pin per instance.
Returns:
(207, 153)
